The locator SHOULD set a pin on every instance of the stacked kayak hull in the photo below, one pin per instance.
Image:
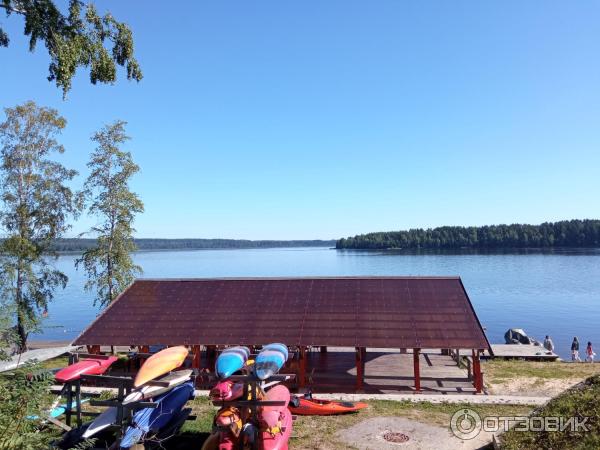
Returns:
(231, 360)
(153, 419)
(268, 363)
(88, 366)
(148, 391)
(277, 346)
(226, 390)
(160, 363)
(103, 421)
(271, 415)
(279, 440)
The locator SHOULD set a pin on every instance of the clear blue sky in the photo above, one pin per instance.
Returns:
(322, 119)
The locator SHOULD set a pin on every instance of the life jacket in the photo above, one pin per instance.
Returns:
(229, 418)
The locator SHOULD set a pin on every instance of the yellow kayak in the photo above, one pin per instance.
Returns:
(161, 363)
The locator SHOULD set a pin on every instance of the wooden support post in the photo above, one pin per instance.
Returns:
(196, 357)
(417, 369)
(360, 368)
(302, 367)
(477, 376)
(78, 401)
(93, 349)
(69, 387)
(197, 363)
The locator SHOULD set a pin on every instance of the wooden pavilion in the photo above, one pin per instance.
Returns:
(406, 313)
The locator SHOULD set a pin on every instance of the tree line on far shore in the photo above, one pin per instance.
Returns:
(78, 245)
(566, 233)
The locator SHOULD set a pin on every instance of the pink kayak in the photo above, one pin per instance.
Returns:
(272, 415)
(229, 424)
(226, 390)
(278, 439)
(89, 366)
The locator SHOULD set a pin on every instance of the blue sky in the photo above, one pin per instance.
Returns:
(301, 120)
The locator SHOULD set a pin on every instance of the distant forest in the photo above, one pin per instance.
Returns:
(567, 233)
(79, 245)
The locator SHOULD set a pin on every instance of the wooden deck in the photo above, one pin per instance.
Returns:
(386, 372)
(528, 352)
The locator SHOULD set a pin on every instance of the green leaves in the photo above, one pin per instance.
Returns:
(23, 393)
(77, 39)
(109, 266)
(35, 208)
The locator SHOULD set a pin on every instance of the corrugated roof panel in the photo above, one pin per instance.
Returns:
(392, 312)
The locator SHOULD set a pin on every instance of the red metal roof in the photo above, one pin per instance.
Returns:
(388, 312)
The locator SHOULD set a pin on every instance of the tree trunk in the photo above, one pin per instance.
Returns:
(20, 312)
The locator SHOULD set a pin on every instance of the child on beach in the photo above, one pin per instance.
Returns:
(590, 353)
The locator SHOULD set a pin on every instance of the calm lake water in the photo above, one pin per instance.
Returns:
(556, 293)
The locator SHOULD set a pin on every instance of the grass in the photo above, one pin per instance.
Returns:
(498, 371)
(580, 401)
(314, 432)
(55, 363)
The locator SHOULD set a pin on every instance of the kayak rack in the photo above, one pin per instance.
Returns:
(73, 389)
(252, 402)
(124, 386)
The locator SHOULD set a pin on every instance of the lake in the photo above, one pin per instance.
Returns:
(552, 292)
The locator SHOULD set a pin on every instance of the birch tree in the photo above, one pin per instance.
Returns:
(108, 265)
(35, 207)
(79, 37)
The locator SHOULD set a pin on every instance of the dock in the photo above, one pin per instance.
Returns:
(526, 352)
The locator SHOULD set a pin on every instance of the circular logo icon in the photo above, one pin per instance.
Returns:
(465, 424)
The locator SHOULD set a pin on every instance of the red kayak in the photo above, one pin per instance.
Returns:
(89, 366)
(303, 406)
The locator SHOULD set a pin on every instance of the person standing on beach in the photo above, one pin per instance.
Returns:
(590, 353)
(575, 350)
(548, 344)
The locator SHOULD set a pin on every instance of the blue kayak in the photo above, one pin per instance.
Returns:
(277, 346)
(268, 363)
(153, 419)
(61, 409)
(231, 360)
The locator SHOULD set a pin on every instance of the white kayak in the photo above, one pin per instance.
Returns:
(104, 420)
(150, 390)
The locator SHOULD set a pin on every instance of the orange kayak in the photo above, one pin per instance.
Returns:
(161, 363)
(302, 406)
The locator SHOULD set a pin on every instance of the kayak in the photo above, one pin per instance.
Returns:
(268, 363)
(277, 438)
(302, 406)
(104, 420)
(226, 390)
(229, 423)
(60, 410)
(149, 390)
(161, 363)
(270, 416)
(211, 442)
(277, 346)
(231, 360)
(88, 366)
(153, 419)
